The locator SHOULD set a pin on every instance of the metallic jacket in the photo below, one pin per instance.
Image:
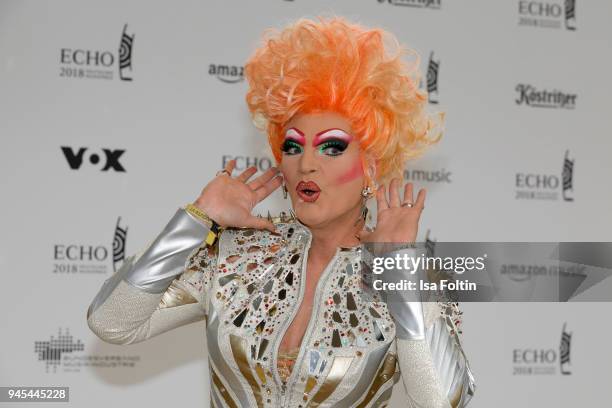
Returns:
(248, 288)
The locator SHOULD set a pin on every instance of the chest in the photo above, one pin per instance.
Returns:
(253, 301)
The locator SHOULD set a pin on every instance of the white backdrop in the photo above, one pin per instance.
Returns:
(168, 130)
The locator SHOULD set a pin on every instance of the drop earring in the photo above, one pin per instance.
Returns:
(285, 191)
(366, 192)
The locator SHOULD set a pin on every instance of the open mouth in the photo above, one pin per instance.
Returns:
(308, 191)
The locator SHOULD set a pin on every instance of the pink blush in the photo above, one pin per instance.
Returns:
(355, 171)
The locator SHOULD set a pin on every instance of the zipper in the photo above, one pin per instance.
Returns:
(298, 362)
(279, 338)
(311, 322)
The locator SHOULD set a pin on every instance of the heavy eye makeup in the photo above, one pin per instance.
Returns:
(332, 147)
(293, 143)
(332, 142)
(291, 147)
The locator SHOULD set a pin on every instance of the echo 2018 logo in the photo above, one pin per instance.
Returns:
(99, 63)
(542, 186)
(71, 258)
(547, 14)
(544, 361)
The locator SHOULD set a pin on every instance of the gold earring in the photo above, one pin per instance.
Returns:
(366, 192)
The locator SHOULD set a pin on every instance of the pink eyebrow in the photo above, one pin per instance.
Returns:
(329, 133)
(299, 137)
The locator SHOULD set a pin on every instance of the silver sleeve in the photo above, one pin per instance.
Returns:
(456, 377)
(435, 370)
(139, 301)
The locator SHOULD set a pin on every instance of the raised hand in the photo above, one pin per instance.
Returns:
(229, 200)
(397, 221)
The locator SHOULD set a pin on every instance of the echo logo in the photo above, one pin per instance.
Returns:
(111, 158)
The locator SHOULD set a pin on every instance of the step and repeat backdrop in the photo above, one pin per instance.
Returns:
(113, 114)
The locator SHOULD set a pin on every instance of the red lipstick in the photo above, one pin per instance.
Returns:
(308, 191)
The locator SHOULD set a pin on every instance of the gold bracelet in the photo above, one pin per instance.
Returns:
(213, 227)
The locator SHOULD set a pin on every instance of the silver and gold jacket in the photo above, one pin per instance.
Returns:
(248, 287)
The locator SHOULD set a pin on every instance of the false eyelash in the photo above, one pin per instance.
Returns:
(341, 145)
(290, 144)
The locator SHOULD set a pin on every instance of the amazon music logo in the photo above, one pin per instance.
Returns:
(529, 95)
(99, 63)
(107, 159)
(544, 360)
(243, 162)
(547, 14)
(79, 258)
(547, 186)
(431, 4)
(428, 176)
(230, 74)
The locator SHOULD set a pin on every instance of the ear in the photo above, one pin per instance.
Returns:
(370, 169)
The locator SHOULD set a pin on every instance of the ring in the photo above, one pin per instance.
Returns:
(407, 204)
(223, 171)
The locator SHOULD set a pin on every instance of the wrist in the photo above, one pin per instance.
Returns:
(198, 213)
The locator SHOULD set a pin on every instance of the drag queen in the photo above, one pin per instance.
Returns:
(287, 322)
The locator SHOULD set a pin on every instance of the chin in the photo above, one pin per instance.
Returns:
(309, 214)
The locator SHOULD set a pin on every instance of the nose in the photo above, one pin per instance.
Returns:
(308, 161)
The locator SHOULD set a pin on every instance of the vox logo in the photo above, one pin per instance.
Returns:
(109, 159)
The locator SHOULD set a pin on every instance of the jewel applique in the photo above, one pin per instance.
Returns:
(256, 302)
(268, 286)
(259, 328)
(336, 339)
(262, 348)
(314, 359)
(350, 301)
(294, 259)
(374, 313)
(253, 248)
(377, 332)
(240, 318)
(349, 269)
(289, 278)
(336, 317)
(224, 280)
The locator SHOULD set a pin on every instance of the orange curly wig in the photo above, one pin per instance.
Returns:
(334, 65)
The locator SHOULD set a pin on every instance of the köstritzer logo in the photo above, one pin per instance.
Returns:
(531, 96)
(432, 4)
